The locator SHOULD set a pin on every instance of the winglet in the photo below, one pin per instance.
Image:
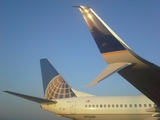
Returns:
(106, 39)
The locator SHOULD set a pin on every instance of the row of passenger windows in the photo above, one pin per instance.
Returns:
(119, 106)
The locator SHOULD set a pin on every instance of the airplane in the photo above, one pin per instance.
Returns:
(62, 100)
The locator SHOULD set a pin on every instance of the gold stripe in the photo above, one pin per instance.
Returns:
(115, 52)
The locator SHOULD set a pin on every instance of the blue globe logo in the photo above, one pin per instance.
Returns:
(58, 88)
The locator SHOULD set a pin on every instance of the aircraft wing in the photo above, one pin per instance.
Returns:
(142, 74)
(34, 99)
(110, 69)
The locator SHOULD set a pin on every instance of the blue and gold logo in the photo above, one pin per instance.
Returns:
(58, 88)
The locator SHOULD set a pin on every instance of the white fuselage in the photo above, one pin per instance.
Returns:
(102, 108)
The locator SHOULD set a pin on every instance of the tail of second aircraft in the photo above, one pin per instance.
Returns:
(54, 85)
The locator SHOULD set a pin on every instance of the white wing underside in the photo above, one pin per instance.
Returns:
(110, 69)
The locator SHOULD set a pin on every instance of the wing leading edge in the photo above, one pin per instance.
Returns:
(142, 74)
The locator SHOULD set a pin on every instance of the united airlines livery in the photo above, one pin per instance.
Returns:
(62, 100)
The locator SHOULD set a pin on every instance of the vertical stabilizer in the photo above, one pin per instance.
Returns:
(53, 84)
(48, 72)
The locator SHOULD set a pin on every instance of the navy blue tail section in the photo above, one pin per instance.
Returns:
(48, 72)
(53, 84)
(104, 36)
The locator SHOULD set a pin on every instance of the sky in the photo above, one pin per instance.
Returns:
(53, 29)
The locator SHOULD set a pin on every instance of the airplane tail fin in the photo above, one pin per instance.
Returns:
(53, 84)
(55, 87)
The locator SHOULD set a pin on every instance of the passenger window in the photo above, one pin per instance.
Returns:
(121, 105)
(100, 106)
(150, 105)
(93, 106)
(125, 105)
(135, 105)
(104, 106)
(108, 106)
(117, 105)
(85, 106)
(140, 105)
(130, 105)
(145, 105)
(89, 106)
(96, 106)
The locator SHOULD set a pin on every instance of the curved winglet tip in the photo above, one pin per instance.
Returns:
(81, 6)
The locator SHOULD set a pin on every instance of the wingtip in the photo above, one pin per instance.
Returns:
(77, 6)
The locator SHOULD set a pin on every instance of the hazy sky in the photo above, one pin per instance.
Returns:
(53, 29)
